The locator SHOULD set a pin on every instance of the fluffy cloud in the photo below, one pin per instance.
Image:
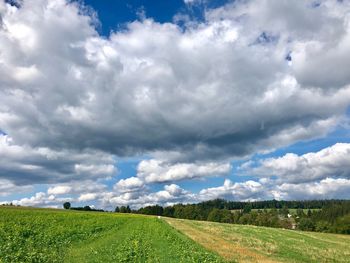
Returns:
(130, 184)
(158, 171)
(241, 191)
(266, 189)
(59, 190)
(171, 194)
(108, 94)
(77, 192)
(328, 188)
(24, 164)
(319, 34)
(41, 199)
(7, 187)
(87, 197)
(77, 187)
(333, 161)
(71, 100)
(249, 190)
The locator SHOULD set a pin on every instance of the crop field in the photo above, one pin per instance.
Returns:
(48, 235)
(243, 243)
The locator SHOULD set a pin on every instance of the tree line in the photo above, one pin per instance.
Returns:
(122, 209)
(331, 216)
(67, 205)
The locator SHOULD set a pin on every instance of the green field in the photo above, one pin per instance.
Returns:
(48, 235)
(244, 243)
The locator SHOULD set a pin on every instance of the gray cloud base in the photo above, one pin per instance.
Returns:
(155, 87)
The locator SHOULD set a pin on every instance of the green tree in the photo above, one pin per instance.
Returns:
(247, 208)
(226, 216)
(169, 211)
(284, 211)
(66, 205)
(117, 209)
(309, 213)
(306, 224)
(322, 226)
(244, 219)
(214, 215)
(220, 215)
(87, 208)
(122, 209)
(300, 212)
(342, 225)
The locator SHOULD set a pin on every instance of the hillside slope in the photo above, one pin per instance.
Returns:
(50, 235)
(244, 243)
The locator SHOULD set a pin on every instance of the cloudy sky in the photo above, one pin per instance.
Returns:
(144, 102)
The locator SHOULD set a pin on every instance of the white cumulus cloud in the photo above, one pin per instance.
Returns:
(333, 161)
(252, 77)
(158, 171)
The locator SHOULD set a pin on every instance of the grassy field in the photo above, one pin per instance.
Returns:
(47, 235)
(242, 243)
(294, 211)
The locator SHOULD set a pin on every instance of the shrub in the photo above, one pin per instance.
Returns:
(306, 224)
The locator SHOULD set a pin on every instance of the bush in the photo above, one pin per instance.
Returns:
(342, 225)
(322, 226)
(286, 223)
(220, 215)
(306, 224)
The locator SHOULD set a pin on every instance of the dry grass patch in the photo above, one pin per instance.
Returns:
(244, 243)
(212, 239)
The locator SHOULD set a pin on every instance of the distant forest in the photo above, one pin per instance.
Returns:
(332, 216)
(329, 216)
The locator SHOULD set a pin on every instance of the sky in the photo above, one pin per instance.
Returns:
(108, 103)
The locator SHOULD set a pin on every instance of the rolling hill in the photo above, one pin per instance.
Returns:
(49, 235)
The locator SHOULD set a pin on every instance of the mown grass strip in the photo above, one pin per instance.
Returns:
(261, 244)
(143, 239)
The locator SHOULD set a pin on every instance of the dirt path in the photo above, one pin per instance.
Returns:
(216, 243)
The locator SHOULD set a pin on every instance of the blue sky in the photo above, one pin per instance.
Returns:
(113, 14)
(136, 103)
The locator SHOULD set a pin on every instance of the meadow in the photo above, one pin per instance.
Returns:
(246, 243)
(49, 235)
